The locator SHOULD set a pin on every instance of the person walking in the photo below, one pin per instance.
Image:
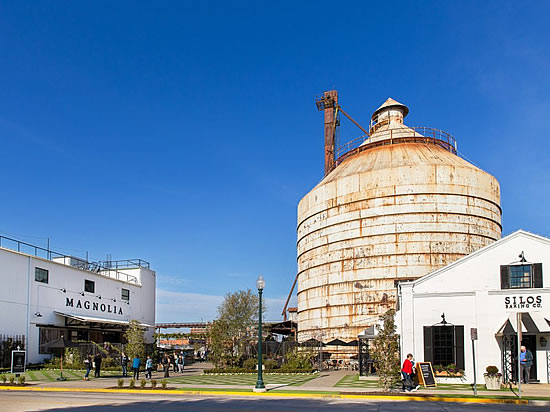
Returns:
(97, 363)
(173, 362)
(525, 360)
(136, 362)
(149, 367)
(88, 365)
(406, 372)
(124, 363)
(165, 365)
(181, 363)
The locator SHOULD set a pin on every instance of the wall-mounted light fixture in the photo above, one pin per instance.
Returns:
(522, 257)
(81, 293)
(63, 290)
(99, 296)
(38, 314)
(543, 342)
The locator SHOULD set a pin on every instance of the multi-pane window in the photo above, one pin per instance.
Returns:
(125, 294)
(443, 345)
(41, 275)
(520, 276)
(528, 275)
(89, 286)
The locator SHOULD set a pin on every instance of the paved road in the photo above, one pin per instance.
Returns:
(88, 402)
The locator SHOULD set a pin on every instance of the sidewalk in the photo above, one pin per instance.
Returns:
(322, 385)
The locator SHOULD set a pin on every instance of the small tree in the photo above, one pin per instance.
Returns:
(235, 327)
(136, 340)
(386, 352)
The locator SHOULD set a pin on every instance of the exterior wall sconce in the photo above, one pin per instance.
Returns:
(63, 290)
(38, 314)
(81, 293)
(543, 342)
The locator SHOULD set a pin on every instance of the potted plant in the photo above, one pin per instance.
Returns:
(493, 379)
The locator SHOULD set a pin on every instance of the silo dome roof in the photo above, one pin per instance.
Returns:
(391, 103)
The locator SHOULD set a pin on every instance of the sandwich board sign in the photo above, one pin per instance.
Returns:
(18, 361)
(425, 374)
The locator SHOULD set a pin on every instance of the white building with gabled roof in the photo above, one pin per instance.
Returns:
(483, 291)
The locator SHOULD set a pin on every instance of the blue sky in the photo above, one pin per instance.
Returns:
(185, 133)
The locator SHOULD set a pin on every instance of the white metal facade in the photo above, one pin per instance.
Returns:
(26, 304)
(469, 293)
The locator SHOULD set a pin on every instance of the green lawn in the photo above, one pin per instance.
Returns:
(352, 381)
(52, 375)
(275, 378)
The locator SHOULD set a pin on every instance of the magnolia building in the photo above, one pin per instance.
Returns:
(479, 296)
(46, 295)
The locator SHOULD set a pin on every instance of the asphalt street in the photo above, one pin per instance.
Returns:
(88, 402)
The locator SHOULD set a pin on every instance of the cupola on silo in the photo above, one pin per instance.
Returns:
(394, 205)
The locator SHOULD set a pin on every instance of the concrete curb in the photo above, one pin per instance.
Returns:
(284, 394)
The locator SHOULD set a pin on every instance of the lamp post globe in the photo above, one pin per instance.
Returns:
(260, 284)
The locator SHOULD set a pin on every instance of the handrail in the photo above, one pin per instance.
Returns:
(106, 268)
(427, 135)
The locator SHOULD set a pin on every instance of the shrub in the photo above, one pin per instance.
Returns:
(491, 371)
(153, 383)
(120, 383)
(12, 379)
(163, 383)
(143, 382)
(250, 364)
(21, 379)
(3, 378)
(270, 364)
(284, 369)
(132, 383)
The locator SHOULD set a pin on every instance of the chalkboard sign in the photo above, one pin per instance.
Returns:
(425, 374)
(18, 361)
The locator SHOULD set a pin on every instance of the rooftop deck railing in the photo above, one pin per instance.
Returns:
(427, 135)
(108, 268)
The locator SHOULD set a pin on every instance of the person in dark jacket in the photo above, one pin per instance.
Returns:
(165, 365)
(124, 363)
(526, 361)
(97, 362)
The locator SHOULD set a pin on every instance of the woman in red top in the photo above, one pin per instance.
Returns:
(407, 371)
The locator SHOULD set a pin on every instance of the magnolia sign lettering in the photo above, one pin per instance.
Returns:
(523, 302)
(100, 307)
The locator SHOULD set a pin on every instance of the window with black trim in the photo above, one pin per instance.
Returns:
(521, 276)
(444, 345)
(89, 286)
(41, 275)
(125, 295)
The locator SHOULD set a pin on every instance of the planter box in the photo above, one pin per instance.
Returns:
(493, 383)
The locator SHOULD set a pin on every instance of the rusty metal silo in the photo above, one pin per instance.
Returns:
(394, 205)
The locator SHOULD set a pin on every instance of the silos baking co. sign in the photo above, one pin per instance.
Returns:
(532, 303)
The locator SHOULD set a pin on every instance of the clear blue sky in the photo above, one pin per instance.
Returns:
(185, 133)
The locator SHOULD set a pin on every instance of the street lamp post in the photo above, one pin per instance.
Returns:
(260, 387)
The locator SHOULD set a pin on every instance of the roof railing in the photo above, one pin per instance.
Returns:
(108, 268)
(427, 135)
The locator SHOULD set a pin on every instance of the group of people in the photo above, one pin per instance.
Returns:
(94, 363)
(174, 361)
(136, 364)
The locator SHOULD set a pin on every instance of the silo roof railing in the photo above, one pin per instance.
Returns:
(426, 135)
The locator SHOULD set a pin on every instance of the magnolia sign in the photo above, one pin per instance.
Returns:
(99, 307)
(523, 302)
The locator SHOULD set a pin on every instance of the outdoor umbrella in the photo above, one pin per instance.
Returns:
(59, 343)
(312, 343)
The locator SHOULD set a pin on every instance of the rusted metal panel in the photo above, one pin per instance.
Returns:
(386, 213)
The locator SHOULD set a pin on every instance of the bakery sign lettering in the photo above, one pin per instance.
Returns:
(100, 307)
(523, 302)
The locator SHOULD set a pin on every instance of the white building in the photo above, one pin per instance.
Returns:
(46, 295)
(483, 290)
